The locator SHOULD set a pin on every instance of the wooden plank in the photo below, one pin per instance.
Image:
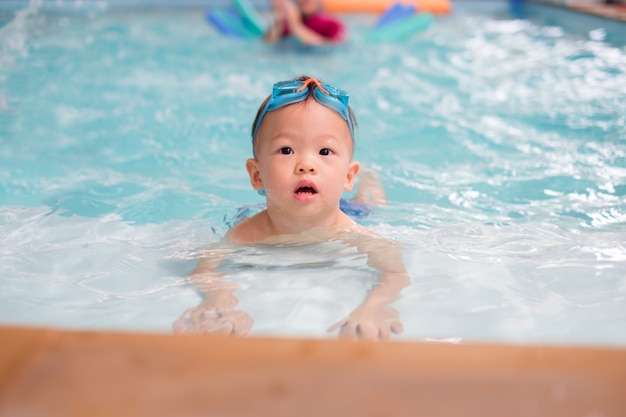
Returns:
(65, 373)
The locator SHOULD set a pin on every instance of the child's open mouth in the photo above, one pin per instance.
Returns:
(305, 191)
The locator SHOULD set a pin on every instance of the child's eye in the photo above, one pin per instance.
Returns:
(286, 150)
(325, 151)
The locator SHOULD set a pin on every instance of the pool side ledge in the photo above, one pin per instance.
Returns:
(52, 372)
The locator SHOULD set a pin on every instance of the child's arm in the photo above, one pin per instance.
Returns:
(217, 313)
(375, 319)
(277, 27)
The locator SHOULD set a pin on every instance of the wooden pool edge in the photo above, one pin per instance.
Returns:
(54, 372)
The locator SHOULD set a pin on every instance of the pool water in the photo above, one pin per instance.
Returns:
(501, 143)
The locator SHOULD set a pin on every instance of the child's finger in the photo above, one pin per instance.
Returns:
(367, 331)
(242, 325)
(180, 325)
(225, 328)
(397, 327)
(337, 325)
(349, 331)
(384, 333)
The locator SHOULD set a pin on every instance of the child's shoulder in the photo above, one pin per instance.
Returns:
(250, 230)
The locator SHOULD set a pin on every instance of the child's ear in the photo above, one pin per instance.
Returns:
(353, 170)
(252, 165)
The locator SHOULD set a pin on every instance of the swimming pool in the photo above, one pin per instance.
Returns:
(500, 141)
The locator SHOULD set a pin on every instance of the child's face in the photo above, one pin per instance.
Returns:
(303, 159)
(309, 6)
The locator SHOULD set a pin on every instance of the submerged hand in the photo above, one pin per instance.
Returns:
(209, 319)
(370, 323)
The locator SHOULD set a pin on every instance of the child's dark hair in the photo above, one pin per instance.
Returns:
(311, 86)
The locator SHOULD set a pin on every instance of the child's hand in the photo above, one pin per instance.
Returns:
(207, 318)
(370, 322)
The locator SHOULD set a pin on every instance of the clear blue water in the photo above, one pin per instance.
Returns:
(501, 143)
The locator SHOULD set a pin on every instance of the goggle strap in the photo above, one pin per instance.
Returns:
(308, 81)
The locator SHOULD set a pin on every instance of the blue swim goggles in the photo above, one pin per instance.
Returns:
(289, 92)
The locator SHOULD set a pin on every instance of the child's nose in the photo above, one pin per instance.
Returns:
(305, 166)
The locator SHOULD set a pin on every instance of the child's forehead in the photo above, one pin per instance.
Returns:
(318, 125)
(302, 115)
(306, 109)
